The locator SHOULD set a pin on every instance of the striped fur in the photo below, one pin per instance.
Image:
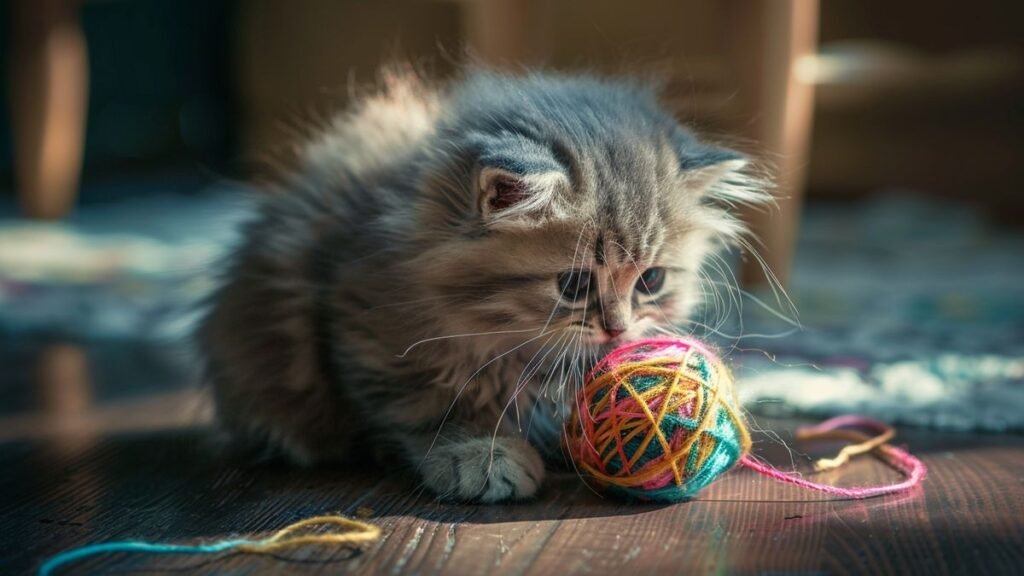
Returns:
(400, 293)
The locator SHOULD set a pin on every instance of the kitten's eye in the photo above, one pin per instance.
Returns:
(651, 281)
(574, 284)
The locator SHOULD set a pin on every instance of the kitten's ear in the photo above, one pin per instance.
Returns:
(718, 174)
(704, 178)
(518, 181)
(505, 196)
(703, 165)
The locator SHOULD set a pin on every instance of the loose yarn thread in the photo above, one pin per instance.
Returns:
(657, 420)
(284, 538)
(912, 469)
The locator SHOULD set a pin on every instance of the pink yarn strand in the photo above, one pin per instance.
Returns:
(912, 469)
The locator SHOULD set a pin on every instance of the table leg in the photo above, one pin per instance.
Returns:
(49, 93)
(773, 37)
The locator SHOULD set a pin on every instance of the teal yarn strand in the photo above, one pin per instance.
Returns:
(77, 554)
(350, 532)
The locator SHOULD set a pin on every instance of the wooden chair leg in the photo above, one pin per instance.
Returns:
(49, 92)
(773, 37)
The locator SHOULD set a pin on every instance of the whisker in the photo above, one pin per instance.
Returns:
(792, 322)
(466, 335)
(734, 337)
(545, 384)
(524, 378)
(773, 281)
(578, 386)
(462, 388)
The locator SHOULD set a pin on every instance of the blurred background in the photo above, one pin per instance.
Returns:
(134, 130)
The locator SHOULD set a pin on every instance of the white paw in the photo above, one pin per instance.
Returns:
(483, 470)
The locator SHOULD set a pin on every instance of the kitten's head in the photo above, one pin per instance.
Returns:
(571, 205)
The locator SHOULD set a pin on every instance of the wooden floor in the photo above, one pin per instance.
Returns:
(139, 467)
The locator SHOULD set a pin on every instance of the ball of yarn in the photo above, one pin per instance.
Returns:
(657, 420)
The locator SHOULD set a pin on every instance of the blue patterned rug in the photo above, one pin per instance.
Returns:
(912, 311)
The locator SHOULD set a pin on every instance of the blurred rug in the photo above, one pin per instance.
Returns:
(135, 267)
(911, 310)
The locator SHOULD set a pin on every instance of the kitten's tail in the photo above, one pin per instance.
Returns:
(378, 129)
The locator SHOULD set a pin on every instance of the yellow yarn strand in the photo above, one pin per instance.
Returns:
(355, 532)
(864, 445)
(358, 533)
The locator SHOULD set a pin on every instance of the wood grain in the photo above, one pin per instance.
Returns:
(131, 458)
(76, 488)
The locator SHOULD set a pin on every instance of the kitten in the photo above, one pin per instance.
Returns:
(435, 279)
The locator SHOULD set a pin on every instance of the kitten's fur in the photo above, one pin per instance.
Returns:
(401, 294)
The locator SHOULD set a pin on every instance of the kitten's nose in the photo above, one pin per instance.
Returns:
(614, 332)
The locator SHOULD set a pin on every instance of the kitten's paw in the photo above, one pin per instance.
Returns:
(484, 471)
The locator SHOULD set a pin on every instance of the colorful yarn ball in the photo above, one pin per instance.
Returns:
(657, 420)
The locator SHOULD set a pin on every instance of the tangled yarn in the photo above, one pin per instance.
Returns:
(658, 420)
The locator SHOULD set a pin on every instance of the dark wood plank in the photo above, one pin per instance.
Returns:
(144, 467)
(171, 485)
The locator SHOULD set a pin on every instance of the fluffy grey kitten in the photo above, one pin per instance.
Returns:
(433, 282)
